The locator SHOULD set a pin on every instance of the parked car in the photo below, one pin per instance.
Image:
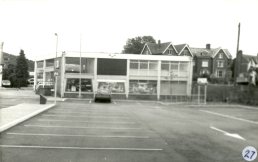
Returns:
(103, 94)
(6, 83)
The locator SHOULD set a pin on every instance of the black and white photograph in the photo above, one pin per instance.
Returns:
(128, 80)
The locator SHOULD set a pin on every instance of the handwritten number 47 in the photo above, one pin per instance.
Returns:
(248, 152)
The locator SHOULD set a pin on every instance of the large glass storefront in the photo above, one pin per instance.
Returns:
(143, 67)
(174, 69)
(73, 85)
(114, 87)
(148, 87)
(72, 65)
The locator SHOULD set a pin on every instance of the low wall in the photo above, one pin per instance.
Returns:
(243, 94)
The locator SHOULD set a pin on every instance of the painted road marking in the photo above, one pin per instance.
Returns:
(228, 116)
(86, 113)
(81, 148)
(88, 109)
(84, 121)
(75, 135)
(76, 127)
(86, 116)
(227, 133)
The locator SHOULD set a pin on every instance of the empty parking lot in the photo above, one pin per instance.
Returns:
(132, 131)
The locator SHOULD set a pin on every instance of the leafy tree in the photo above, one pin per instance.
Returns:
(21, 70)
(135, 45)
(9, 73)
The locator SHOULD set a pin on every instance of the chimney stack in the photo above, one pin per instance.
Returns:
(208, 46)
(159, 43)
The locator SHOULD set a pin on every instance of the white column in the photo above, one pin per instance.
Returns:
(94, 82)
(190, 77)
(159, 77)
(35, 75)
(127, 79)
(62, 75)
(44, 72)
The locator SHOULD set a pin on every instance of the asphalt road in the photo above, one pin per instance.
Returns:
(122, 131)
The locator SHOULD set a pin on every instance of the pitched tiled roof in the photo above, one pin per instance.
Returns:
(227, 53)
(202, 52)
(179, 47)
(248, 58)
(158, 48)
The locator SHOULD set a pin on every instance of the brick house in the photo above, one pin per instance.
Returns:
(212, 62)
(244, 64)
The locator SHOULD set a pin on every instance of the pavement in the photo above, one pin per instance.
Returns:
(14, 115)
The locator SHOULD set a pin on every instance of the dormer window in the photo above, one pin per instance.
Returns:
(220, 56)
(170, 51)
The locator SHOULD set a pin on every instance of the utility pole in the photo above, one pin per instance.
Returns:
(80, 81)
(236, 66)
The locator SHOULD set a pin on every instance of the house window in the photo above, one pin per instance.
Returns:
(219, 73)
(204, 71)
(205, 63)
(221, 56)
(186, 52)
(170, 51)
(220, 64)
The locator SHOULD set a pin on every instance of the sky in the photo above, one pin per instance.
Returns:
(105, 25)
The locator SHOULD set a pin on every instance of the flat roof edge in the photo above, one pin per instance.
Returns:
(127, 56)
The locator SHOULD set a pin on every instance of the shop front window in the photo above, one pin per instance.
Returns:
(143, 87)
(73, 85)
(114, 87)
(86, 85)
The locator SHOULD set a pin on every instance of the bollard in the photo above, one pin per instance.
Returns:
(42, 99)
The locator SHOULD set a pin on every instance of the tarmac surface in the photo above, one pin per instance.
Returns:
(123, 131)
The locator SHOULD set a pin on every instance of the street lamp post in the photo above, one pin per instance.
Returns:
(56, 67)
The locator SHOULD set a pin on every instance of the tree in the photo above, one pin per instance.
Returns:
(21, 70)
(135, 45)
(9, 74)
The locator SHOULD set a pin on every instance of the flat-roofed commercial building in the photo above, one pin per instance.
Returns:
(130, 76)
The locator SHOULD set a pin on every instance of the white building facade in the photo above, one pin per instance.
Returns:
(130, 76)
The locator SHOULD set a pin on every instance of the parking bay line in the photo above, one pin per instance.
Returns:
(76, 127)
(81, 148)
(76, 135)
(228, 116)
(83, 121)
(85, 113)
(86, 116)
